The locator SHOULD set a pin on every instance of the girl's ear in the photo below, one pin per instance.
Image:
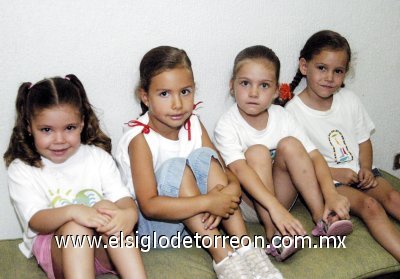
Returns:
(82, 124)
(144, 96)
(303, 66)
(231, 90)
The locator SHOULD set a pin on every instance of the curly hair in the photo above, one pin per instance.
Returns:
(45, 94)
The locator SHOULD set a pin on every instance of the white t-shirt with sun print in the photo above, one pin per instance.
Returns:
(87, 177)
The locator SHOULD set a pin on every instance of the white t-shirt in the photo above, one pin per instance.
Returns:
(233, 135)
(87, 177)
(161, 148)
(338, 131)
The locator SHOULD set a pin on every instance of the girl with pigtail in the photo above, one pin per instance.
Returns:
(64, 183)
(340, 127)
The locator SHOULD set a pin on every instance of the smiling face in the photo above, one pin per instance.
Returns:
(254, 87)
(325, 73)
(57, 132)
(170, 100)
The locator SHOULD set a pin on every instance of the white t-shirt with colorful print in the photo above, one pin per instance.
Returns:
(87, 177)
(338, 131)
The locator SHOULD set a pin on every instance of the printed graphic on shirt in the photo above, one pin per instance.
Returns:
(341, 152)
(86, 197)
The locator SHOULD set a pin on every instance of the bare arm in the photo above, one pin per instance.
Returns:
(49, 220)
(333, 201)
(365, 175)
(366, 154)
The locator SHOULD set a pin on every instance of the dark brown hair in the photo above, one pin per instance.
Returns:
(155, 62)
(322, 40)
(47, 93)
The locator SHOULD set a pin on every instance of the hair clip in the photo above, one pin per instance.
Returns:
(30, 86)
(67, 78)
(284, 92)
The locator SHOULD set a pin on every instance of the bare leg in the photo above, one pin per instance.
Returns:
(189, 188)
(127, 259)
(387, 196)
(375, 218)
(259, 159)
(293, 171)
(234, 225)
(72, 262)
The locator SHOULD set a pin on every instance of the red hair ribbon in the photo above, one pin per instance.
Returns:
(134, 123)
(187, 124)
(284, 92)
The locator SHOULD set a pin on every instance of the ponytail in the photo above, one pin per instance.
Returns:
(91, 133)
(21, 143)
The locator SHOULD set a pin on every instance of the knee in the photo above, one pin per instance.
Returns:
(257, 154)
(104, 204)
(371, 208)
(73, 228)
(288, 145)
(393, 197)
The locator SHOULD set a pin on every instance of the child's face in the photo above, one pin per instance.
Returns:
(255, 87)
(170, 99)
(57, 132)
(325, 73)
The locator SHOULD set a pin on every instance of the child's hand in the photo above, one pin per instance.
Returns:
(344, 176)
(210, 221)
(89, 217)
(285, 222)
(121, 220)
(338, 204)
(367, 179)
(221, 204)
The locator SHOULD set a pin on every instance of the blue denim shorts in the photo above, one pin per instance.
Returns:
(169, 178)
(375, 172)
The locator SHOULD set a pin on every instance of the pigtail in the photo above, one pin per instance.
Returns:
(296, 80)
(21, 145)
(144, 108)
(91, 133)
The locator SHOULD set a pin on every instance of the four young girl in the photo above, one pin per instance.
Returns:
(63, 181)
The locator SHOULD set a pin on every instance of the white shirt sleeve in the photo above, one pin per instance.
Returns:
(363, 123)
(227, 142)
(112, 185)
(26, 196)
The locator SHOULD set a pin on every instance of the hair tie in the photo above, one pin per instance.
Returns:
(67, 78)
(284, 92)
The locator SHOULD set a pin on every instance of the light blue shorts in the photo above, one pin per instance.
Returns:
(169, 178)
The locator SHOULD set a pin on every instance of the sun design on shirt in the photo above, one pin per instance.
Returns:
(86, 197)
(341, 152)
